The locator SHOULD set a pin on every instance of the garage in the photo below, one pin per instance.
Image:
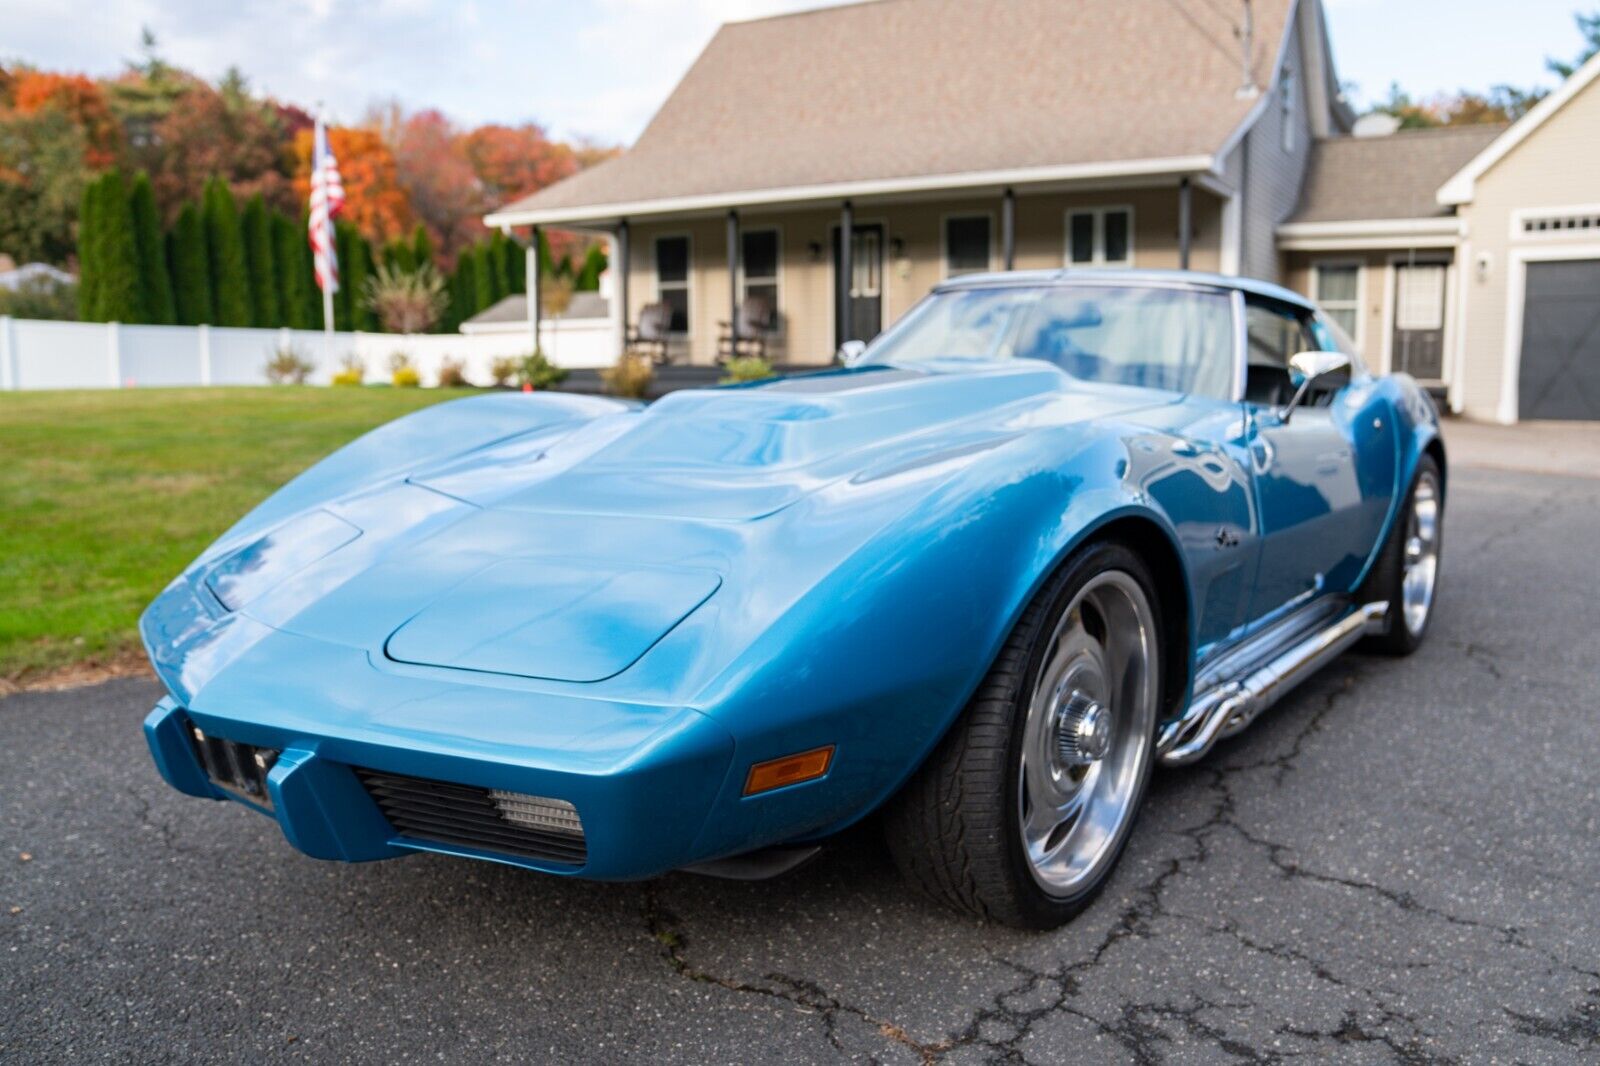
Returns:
(1559, 376)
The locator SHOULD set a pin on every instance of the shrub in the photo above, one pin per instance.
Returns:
(745, 368)
(535, 371)
(503, 369)
(289, 366)
(352, 371)
(631, 377)
(453, 374)
(403, 372)
(406, 301)
(41, 297)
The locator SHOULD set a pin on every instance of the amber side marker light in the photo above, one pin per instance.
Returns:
(789, 770)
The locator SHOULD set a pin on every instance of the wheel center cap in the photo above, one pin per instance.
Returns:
(1083, 731)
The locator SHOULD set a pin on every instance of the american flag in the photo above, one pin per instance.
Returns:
(327, 200)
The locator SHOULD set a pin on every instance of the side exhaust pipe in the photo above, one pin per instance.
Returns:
(1230, 707)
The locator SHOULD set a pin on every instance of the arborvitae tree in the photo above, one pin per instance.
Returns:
(488, 290)
(291, 274)
(421, 246)
(191, 268)
(399, 255)
(230, 287)
(266, 308)
(594, 264)
(88, 253)
(516, 260)
(359, 270)
(155, 280)
(355, 265)
(119, 295)
(464, 290)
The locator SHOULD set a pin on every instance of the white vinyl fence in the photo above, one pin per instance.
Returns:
(96, 355)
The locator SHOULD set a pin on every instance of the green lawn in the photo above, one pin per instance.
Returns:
(106, 495)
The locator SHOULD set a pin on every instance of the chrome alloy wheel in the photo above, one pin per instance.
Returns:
(1086, 741)
(1421, 553)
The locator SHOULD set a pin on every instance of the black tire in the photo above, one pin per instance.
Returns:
(1386, 581)
(955, 829)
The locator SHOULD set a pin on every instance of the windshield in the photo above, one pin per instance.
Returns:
(1160, 338)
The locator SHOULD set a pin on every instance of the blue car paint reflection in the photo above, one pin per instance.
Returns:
(829, 559)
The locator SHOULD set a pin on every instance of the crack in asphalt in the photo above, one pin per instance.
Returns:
(801, 992)
(1136, 1026)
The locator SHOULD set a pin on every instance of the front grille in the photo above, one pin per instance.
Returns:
(239, 768)
(504, 822)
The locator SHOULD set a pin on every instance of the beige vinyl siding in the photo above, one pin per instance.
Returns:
(805, 283)
(1374, 289)
(1273, 177)
(1558, 165)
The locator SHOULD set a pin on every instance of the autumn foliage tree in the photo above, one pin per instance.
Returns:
(375, 203)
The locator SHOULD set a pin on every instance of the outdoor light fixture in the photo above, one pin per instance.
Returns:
(815, 248)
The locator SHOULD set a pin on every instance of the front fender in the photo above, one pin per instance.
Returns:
(882, 655)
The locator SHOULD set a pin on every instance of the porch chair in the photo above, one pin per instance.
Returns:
(651, 335)
(756, 318)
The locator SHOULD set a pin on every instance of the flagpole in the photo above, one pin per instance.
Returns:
(327, 235)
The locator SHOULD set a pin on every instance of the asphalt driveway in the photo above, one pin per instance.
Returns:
(1399, 863)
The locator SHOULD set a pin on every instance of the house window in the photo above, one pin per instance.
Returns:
(672, 279)
(1102, 236)
(1286, 92)
(1338, 291)
(758, 261)
(966, 245)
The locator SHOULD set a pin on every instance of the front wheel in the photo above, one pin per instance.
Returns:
(1024, 809)
(1406, 574)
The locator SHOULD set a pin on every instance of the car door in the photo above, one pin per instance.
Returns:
(1316, 515)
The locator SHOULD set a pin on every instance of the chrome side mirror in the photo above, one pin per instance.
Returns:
(1308, 369)
(851, 351)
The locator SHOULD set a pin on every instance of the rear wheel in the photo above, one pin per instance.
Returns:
(1406, 575)
(1024, 809)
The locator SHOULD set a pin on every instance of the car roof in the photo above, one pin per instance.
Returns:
(1081, 275)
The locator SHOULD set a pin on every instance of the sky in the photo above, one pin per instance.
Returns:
(599, 68)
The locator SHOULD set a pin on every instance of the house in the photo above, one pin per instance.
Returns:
(947, 136)
(1468, 257)
(838, 163)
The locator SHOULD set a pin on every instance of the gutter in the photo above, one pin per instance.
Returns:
(799, 195)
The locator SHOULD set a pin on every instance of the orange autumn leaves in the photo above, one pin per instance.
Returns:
(375, 202)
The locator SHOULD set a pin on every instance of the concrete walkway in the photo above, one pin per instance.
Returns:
(1568, 448)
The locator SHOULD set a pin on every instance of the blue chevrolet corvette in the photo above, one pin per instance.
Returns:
(1048, 531)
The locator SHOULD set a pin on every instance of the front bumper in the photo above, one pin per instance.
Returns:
(320, 789)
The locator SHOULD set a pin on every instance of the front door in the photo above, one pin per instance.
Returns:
(865, 319)
(1419, 305)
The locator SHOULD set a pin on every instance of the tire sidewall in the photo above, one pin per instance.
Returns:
(1037, 907)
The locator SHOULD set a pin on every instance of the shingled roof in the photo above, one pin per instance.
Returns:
(1398, 176)
(894, 89)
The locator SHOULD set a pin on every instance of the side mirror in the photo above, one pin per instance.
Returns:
(850, 351)
(1307, 370)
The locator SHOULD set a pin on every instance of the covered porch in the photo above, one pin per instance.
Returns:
(832, 268)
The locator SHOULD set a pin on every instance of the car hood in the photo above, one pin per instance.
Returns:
(567, 556)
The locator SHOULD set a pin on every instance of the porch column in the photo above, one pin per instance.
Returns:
(1008, 230)
(623, 266)
(846, 267)
(1185, 225)
(733, 281)
(535, 312)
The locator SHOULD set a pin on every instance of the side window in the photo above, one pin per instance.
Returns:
(1274, 332)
